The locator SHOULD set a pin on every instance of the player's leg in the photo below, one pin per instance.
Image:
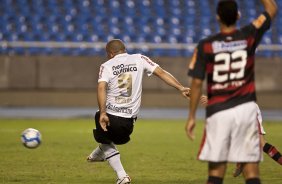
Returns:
(239, 166)
(245, 146)
(112, 155)
(251, 173)
(272, 152)
(97, 155)
(216, 172)
(118, 135)
(215, 145)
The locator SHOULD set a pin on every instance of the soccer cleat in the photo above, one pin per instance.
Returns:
(95, 159)
(238, 170)
(124, 180)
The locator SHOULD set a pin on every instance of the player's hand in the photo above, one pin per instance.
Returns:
(189, 128)
(104, 121)
(185, 92)
(204, 100)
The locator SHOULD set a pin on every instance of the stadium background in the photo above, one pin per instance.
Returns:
(50, 50)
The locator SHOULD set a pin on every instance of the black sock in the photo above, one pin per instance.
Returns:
(253, 181)
(214, 180)
(272, 152)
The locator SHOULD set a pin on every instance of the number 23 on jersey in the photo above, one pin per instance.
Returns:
(229, 66)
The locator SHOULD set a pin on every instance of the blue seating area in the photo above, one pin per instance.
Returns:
(134, 21)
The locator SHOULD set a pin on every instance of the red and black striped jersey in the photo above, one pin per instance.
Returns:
(228, 62)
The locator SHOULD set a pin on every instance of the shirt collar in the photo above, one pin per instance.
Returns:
(120, 55)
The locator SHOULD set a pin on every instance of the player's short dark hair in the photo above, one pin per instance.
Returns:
(227, 10)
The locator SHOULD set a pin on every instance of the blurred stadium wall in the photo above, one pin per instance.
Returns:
(72, 81)
(50, 50)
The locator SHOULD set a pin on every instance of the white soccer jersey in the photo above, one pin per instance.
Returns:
(124, 74)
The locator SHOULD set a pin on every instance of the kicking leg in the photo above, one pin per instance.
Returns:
(97, 155)
(113, 157)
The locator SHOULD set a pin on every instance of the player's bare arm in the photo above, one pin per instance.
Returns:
(172, 81)
(102, 96)
(194, 100)
(270, 7)
(204, 98)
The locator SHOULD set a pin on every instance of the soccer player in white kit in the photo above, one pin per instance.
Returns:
(119, 99)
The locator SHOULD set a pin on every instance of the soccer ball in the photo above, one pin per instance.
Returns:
(31, 138)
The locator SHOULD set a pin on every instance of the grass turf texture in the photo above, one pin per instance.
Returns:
(159, 153)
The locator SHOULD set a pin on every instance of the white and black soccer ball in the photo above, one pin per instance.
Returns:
(31, 138)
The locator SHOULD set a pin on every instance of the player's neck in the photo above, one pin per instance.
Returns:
(227, 29)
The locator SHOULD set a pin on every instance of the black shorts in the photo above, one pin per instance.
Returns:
(118, 132)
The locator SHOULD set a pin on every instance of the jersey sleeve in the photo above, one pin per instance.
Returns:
(261, 24)
(104, 74)
(148, 65)
(197, 64)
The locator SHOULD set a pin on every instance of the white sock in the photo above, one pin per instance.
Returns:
(98, 153)
(113, 157)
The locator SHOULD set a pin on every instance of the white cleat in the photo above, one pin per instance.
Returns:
(124, 180)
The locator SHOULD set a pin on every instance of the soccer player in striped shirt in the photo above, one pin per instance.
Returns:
(227, 59)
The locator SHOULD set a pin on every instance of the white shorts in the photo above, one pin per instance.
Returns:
(232, 135)
(259, 118)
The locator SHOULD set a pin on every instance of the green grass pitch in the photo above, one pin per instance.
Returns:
(159, 153)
